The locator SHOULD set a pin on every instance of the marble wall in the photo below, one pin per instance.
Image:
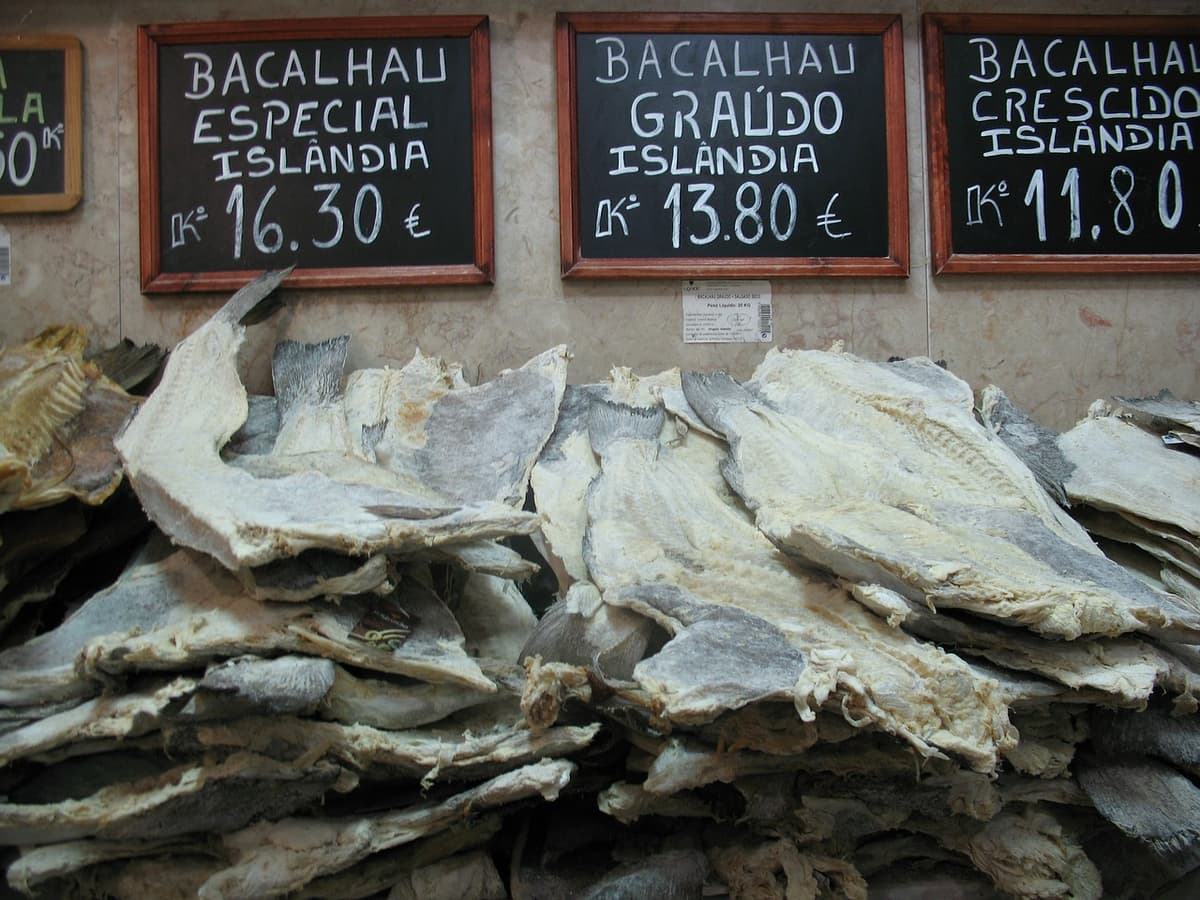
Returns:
(1054, 343)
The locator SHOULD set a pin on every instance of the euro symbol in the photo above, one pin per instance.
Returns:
(413, 221)
(828, 219)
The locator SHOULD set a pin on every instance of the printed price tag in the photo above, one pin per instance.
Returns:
(727, 312)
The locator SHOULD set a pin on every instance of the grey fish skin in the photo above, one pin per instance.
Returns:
(171, 455)
(1147, 799)
(181, 610)
(944, 513)
(1175, 739)
(670, 875)
(308, 373)
(661, 514)
(719, 658)
(1034, 444)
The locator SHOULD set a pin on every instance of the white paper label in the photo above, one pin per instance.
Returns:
(5, 257)
(727, 312)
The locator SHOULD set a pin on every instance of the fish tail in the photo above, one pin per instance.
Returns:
(611, 423)
(308, 372)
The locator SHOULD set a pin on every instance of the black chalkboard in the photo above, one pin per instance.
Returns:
(1062, 142)
(358, 150)
(706, 144)
(40, 123)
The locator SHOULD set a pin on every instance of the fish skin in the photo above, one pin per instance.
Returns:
(932, 507)
(60, 413)
(656, 515)
(171, 454)
(177, 609)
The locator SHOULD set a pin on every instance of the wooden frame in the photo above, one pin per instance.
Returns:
(575, 265)
(474, 28)
(945, 257)
(72, 191)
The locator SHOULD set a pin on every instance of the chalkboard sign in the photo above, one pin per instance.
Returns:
(41, 122)
(1064, 143)
(713, 144)
(358, 150)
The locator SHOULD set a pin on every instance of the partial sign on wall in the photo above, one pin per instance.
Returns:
(41, 122)
(1062, 143)
(731, 145)
(358, 150)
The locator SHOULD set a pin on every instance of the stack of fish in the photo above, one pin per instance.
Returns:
(832, 590)
(313, 661)
(62, 500)
(818, 632)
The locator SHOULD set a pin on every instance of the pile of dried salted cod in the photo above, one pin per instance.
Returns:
(62, 499)
(823, 632)
(305, 683)
(854, 645)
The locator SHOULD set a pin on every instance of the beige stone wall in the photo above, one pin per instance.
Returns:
(1053, 342)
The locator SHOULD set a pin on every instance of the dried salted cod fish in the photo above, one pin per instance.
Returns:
(929, 505)
(779, 870)
(171, 453)
(654, 517)
(117, 716)
(1175, 739)
(1126, 668)
(394, 705)
(560, 480)
(1027, 854)
(285, 685)
(60, 414)
(1034, 445)
(317, 573)
(1147, 799)
(495, 618)
(272, 859)
(183, 610)
(191, 797)
(568, 465)
(1165, 406)
(466, 444)
(1118, 466)
(38, 865)
(718, 658)
(1116, 527)
(383, 870)
(479, 743)
(469, 876)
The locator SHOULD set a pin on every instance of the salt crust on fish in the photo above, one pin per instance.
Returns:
(59, 417)
(274, 858)
(1119, 466)
(171, 451)
(654, 519)
(883, 478)
(183, 610)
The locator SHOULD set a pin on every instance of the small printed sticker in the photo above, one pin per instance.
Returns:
(387, 627)
(727, 312)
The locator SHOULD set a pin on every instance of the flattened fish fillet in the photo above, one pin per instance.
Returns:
(870, 474)
(171, 452)
(277, 857)
(58, 416)
(652, 518)
(183, 610)
(1119, 466)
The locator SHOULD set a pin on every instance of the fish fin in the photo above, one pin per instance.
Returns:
(372, 435)
(611, 423)
(247, 306)
(128, 364)
(711, 394)
(309, 373)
